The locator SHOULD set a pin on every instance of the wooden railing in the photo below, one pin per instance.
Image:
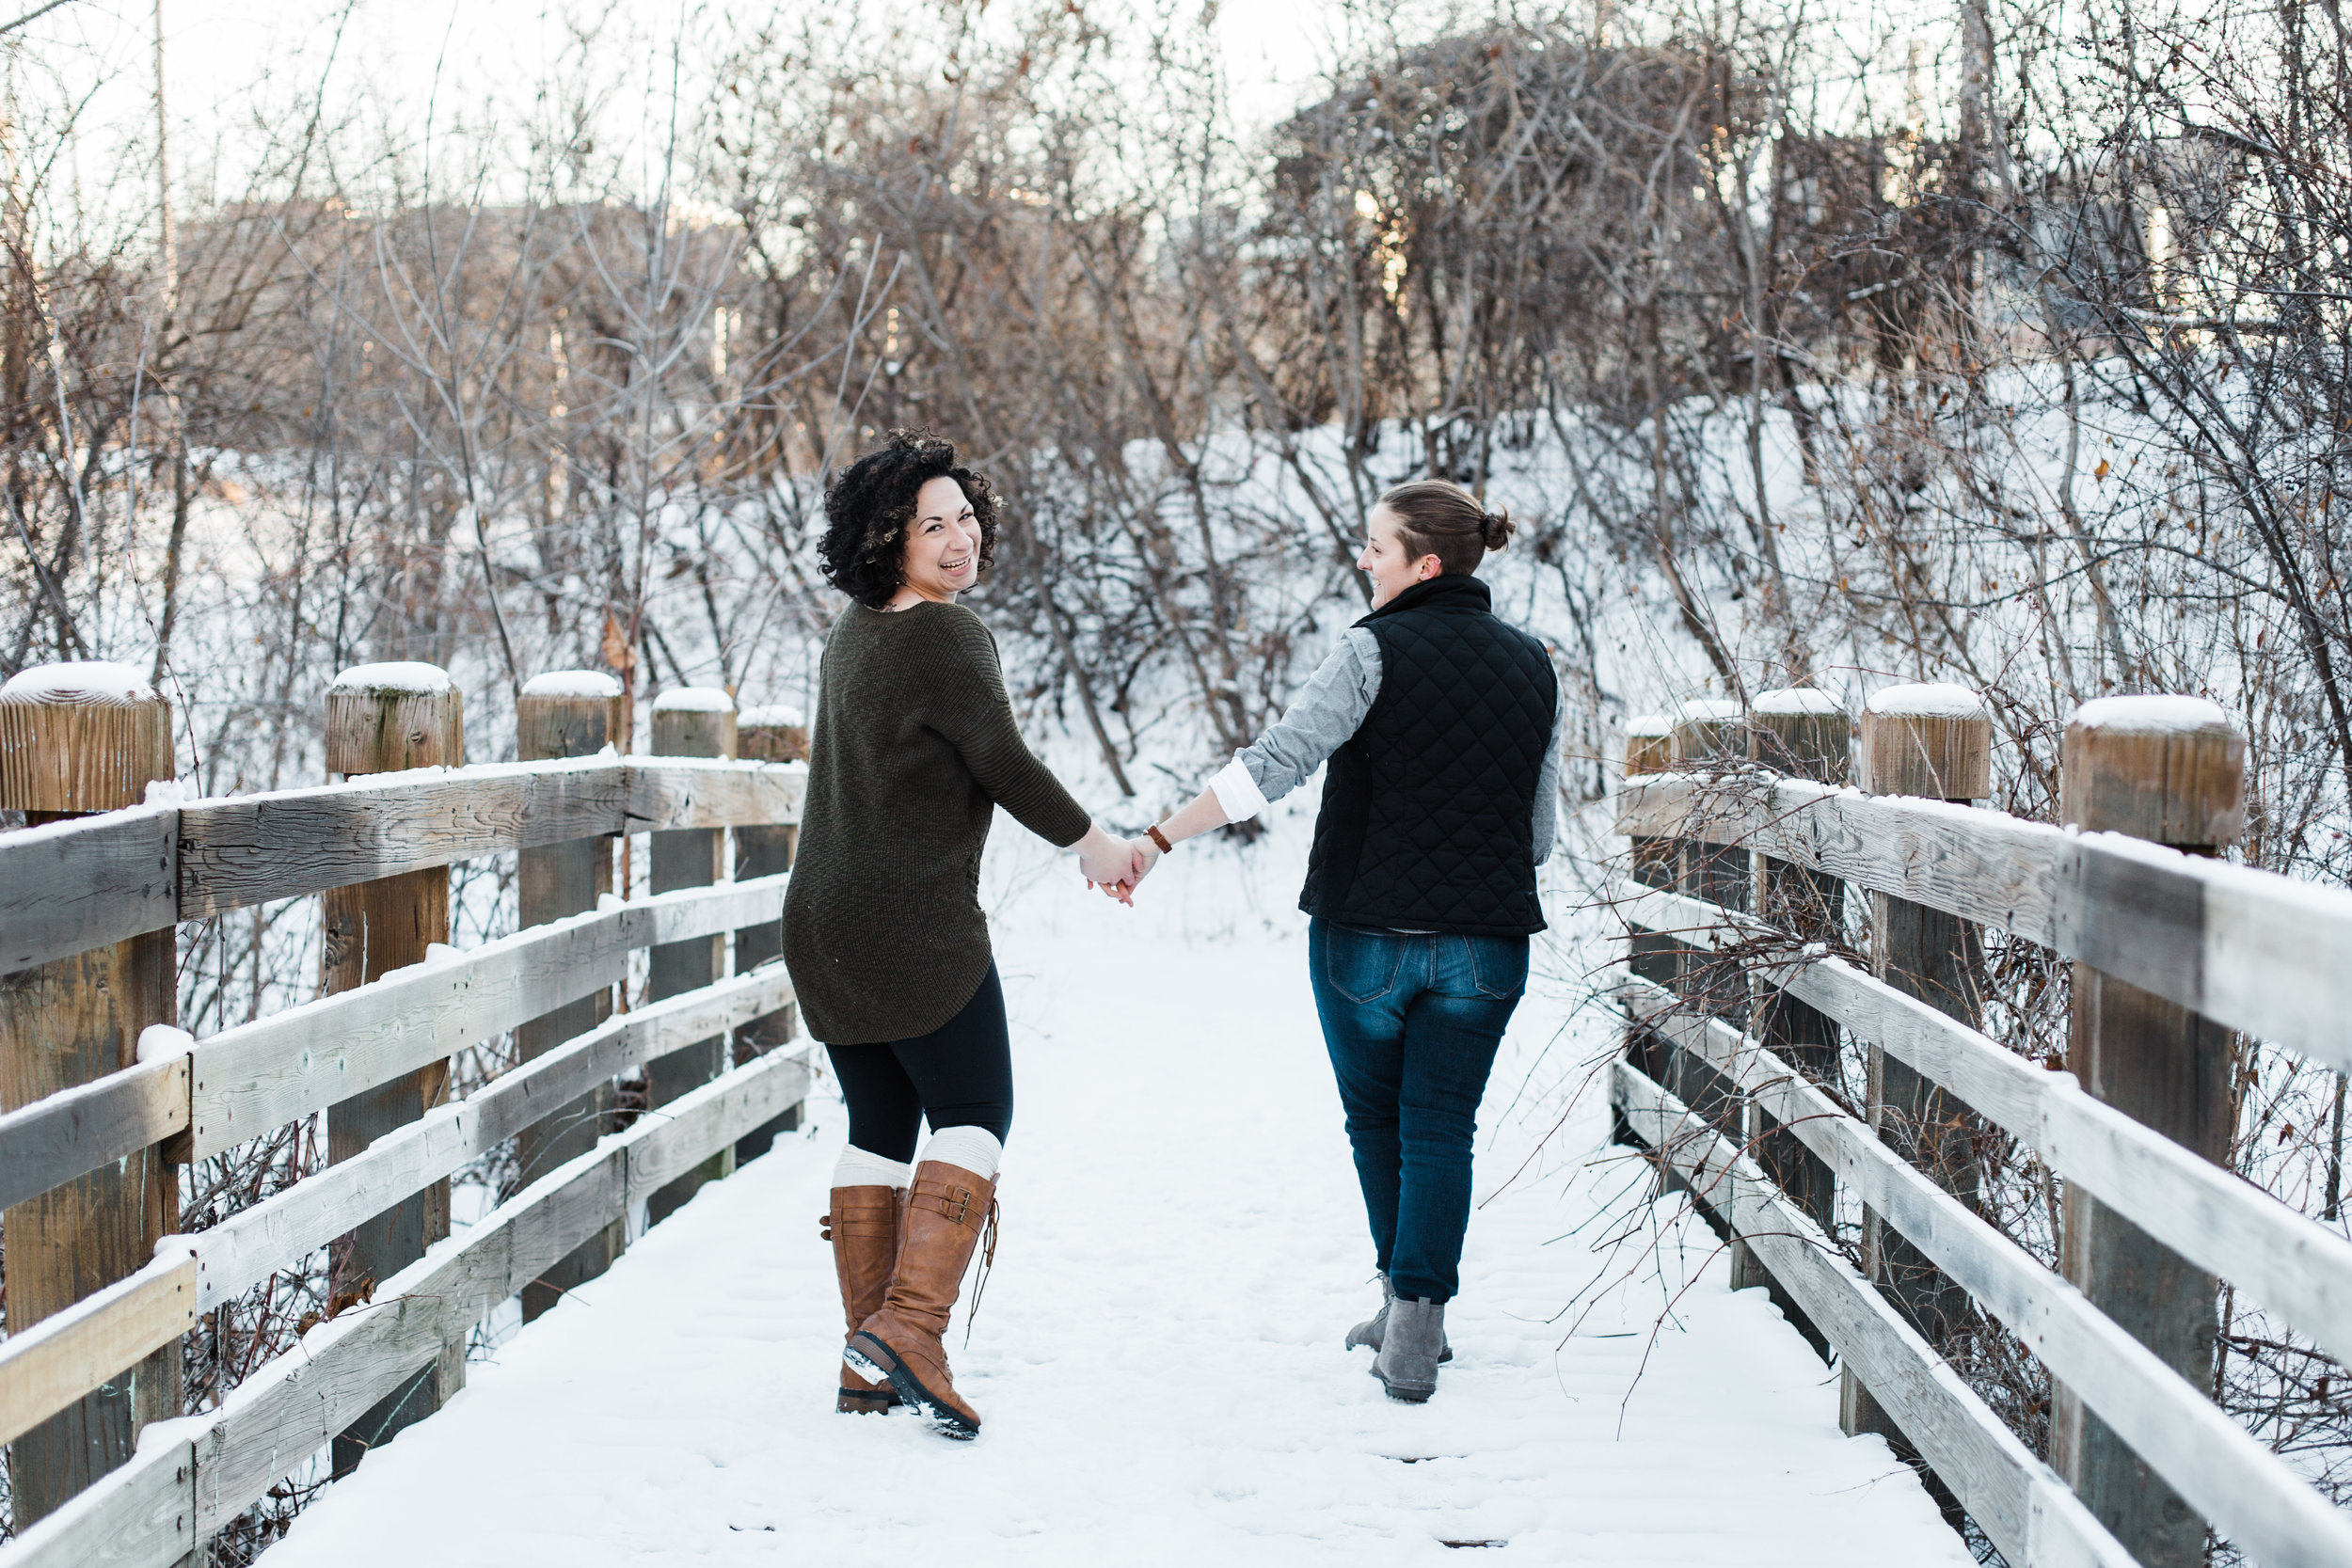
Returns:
(2168, 943)
(79, 892)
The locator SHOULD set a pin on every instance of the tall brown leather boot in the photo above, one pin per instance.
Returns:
(863, 1228)
(904, 1340)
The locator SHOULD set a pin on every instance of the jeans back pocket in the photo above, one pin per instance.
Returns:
(1497, 965)
(1362, 965)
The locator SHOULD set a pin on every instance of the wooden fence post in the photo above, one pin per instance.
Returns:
(381, 719)
(1801, 733)
(687, 721)
(76, 739)
(766, 735)
(568, 713)
(2172, 770)
(1710, 732)
(1653, 956)
(1935, 741)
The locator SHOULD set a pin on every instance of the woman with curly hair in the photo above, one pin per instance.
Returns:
(914, 749)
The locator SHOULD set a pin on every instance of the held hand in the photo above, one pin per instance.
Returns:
(1108, 863)
(1147, 856)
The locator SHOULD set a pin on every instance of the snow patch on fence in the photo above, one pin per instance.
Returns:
(693, 699)
(1933, 700)
(1797, 701)
(160, 1042)
(86, 681)
(2149, 716)
(399, 675)
(573, 682)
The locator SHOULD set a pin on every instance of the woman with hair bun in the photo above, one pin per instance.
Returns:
(914, 748)
(1440, 721)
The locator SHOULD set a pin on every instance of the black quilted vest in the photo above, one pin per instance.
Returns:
(1427, 821)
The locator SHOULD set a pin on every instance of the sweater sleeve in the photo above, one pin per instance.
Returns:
(971, 707)
(1328, 712)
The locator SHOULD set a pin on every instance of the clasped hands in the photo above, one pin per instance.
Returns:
(1115, 865)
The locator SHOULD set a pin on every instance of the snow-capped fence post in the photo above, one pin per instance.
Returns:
(76, 740)
(766, 735)
(1934, 741)
(1802, 734)
(566, 713)
(1654, 956)
(385, 718)
(687, 721)
(2172, 770)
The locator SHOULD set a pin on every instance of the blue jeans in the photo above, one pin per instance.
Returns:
(1412, 1023)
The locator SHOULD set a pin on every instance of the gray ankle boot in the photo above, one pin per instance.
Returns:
(1408, 1363)
(1370, 1333)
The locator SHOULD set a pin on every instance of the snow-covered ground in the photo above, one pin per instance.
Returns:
(1158, 1357)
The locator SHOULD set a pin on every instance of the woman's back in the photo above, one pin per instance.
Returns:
(913, 749)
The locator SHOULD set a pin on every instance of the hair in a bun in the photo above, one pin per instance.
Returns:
(1498, 528)
(1437, 516)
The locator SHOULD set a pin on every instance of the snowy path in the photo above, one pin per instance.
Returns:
(1158, 1358)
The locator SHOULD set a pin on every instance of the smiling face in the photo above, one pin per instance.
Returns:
(942, 555)
(1391, 567)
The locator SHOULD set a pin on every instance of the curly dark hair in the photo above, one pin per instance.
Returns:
(870, 503)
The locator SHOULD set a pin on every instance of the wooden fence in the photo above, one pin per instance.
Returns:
(103, 1107)
(1735, 1005)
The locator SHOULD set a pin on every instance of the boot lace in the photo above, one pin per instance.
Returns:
(988, 1262)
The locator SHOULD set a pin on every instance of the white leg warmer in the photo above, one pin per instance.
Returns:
(974, 1148)
(858, 1168)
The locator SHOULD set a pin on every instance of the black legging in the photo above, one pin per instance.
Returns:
(957, 1075)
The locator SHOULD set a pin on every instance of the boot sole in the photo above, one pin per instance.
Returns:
(1404, 1393)
(872, 1358)
(866, 1402)
(1353, 1343)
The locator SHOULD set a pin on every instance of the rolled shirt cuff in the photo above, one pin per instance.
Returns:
(1237, 792)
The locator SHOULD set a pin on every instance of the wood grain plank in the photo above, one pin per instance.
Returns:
(258, 1075)
(244, 849)
(678, 792)
(2208, 1213)
(286, 1410)
(2017, 1499)
(1981, 865)
(142, 1515)
(49, 1366)
(248, 1247)
(2257, 951)
(2252, 949)
(81, 883)
(73, 1131)
(65, 887)
(715, 1116)
(2232, 1480)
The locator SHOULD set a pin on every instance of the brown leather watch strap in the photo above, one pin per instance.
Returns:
(1159, 838)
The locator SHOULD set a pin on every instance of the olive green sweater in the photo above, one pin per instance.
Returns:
(914, 749)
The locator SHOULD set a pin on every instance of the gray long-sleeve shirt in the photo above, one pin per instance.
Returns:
(1329, 710)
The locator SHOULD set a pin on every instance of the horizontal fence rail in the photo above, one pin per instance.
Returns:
(242, 1082)
(2278, 1256)
(72, 885)
(88, 895)
(1735, 1007)
(2232, 1480)
(2029, 1513)
(2251, 949)
(193, 1475)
